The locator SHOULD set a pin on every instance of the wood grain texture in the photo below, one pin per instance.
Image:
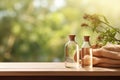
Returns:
(51, 69)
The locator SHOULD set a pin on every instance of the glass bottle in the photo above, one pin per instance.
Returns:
(86, 53)
(71, 49)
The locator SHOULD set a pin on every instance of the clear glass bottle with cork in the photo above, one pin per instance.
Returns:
(71, 49)
(86, 53)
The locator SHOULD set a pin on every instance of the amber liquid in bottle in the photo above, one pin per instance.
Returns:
(86, 53)
(71, 49)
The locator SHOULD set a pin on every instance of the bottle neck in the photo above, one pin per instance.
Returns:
(72, 37)
(86, 38)
(71, 40)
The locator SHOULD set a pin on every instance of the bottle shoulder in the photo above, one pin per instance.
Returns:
(71, 43)
(86, 45)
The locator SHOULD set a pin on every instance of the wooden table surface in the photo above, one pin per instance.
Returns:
(51, 69)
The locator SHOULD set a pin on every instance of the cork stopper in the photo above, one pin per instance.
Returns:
(72, 37)
(86, 38)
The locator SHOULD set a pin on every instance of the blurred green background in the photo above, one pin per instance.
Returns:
(37, 30)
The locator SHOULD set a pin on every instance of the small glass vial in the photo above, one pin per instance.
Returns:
(86, 53)
(71, 53)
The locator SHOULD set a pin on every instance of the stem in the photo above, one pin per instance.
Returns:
(110, 26)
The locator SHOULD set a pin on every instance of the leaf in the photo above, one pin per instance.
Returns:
(105, 19)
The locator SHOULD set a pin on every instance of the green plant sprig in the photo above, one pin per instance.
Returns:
(100, 24)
